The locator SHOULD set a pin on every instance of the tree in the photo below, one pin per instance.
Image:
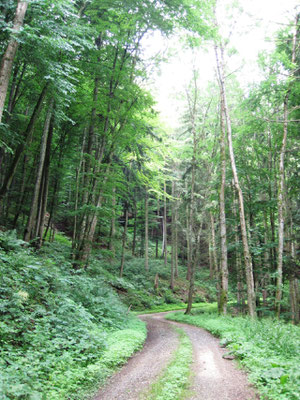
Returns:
(219, 52)
(9, 55)
(281, 188)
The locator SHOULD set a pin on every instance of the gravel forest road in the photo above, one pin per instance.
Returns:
(214, 378)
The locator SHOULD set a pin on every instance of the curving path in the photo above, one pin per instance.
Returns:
(215, 378)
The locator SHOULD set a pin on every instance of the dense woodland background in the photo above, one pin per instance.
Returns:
(86, 163)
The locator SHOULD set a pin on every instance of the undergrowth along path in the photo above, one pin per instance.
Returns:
(145, 366)
(213, 376)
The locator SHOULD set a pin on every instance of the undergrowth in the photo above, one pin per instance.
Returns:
(174, 380)
(268, 349)
(62, 331)
(204, 307)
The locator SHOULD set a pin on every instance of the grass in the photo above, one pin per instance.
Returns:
(268, 349)
(174, 380)
(62, 331)
(204, 307)
(83, 383)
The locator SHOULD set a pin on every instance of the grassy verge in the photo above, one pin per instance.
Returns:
(268, 349)
(62, 331)
(82, 383)
(204, 307)
(174, 380)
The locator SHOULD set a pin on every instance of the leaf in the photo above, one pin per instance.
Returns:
(284, 379)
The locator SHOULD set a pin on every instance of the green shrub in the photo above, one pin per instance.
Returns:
(56, 324)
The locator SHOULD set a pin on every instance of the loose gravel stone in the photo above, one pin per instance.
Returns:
(214, 378)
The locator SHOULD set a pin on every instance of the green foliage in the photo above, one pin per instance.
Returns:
(174, 380)
(62, 331)
(268, 349)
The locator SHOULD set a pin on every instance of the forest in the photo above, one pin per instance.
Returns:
(106, 212)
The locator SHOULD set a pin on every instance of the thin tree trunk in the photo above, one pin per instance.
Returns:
(9, 55)
(29, 231)
(146, 230)
(247, 256)
(281, 188)
(21, 191)
(211, 268)
(193, 249)
(215, 260)
(188, 243)
(14, 93)
(112, 234)
(27, 137)
(224, 267)
(46, 172)
(239, 270)
(173, 245)
(134, 230)
(77, 180)
(165, 227)
(176, 239)
(157, 229)
(124, 241)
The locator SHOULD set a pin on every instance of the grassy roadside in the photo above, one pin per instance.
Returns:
(174, 380)
(62, 331)
(268, 349)
(204, 307)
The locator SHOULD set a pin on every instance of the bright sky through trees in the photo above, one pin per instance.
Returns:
(254, 24)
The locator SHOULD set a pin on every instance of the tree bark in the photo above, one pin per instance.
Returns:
(247, 256)
(134, 229)
(146, 230)
(158, 228)
(29, 231)
(224, 267)
(165, 227)
(193, 248)
(9, 55)
(173, 245)
(112, 234)
(176, 238)
(281, 186)
(27, 137)
(124, 241)
(77, 180)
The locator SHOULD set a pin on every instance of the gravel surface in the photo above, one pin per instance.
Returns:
(145, 366)
(214, 378)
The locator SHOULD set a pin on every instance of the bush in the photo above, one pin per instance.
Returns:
(56, 324)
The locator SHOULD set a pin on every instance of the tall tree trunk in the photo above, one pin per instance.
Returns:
(193, 249)
(238, 264)
(27, 137)
(77, 180)
(165, 232)
(21, 191)
(9, 55)
(124, 241)
(134, 229)
(29, 231)
(176, 238)
(157, 228)
(112, 234)
(45, 186)
(247, 256)
(281, 186)
(173, 245)
(188, 243)
(146, 230)
(224, 267)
